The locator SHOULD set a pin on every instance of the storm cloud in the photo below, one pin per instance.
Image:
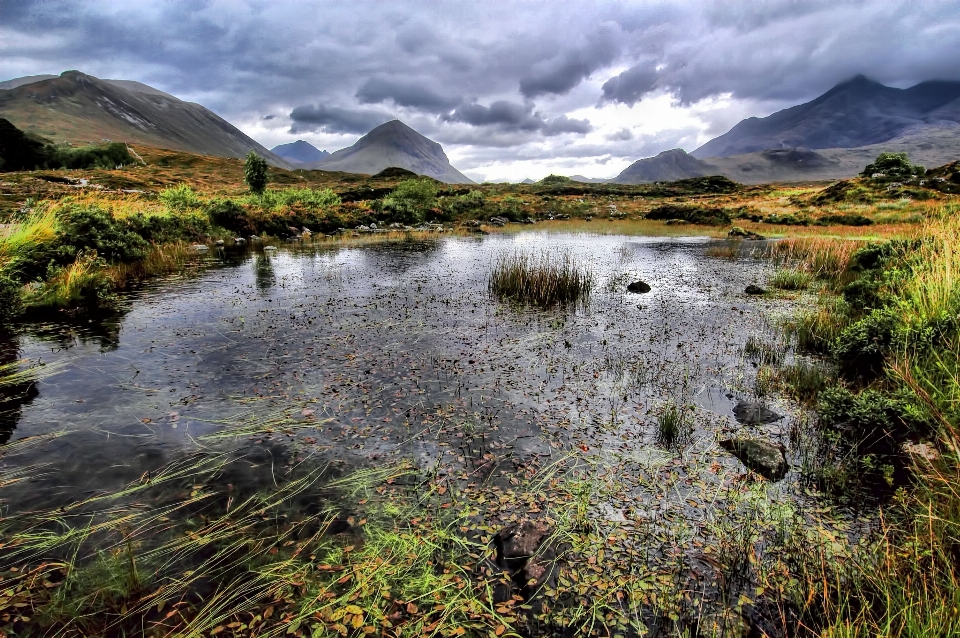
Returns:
(582, 81)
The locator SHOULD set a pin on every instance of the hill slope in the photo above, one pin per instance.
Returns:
(82, 109)
(300, 152)
(668, 166)
(394, 144)
(856, 113)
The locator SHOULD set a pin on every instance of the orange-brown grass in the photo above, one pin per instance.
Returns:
(162, 259)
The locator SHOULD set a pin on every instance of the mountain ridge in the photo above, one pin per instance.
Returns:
(858, 112)
(82, 109)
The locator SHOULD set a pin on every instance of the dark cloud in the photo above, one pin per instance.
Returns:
(497, 76)
(630, 86)
(332, 119)
(377, 90)
(566, 70)
(512, 116)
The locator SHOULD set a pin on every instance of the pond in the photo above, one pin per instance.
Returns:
(366, 356)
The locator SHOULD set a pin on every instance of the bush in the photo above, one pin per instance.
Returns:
(872, 421)
(845, 220)
(410, 200)
(465, 204)
(892, 165)
(690, 214)
(861, 348)
(255, 172)
(512, 208)
(179, 198)
(108, 156)
(11, 304)
(191, 226)
(231, 216)
(83, 229)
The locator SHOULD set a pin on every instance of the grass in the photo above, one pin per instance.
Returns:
(673, 428)
(790, 279)
(542, 279)
(17, 240)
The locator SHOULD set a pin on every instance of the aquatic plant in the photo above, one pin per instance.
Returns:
(673, 426)
(543, 279)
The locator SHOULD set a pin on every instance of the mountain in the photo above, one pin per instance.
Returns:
(299, 152)
(393, 144)
(27, 79)
(859, 112)
(668, 166)
(588, 180)
(82, 109)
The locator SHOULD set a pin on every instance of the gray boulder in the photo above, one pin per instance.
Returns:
(766, 459)
(754, 413)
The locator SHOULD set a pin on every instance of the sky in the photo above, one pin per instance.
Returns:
(510, 89)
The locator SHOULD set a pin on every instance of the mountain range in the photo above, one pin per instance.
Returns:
(832, 136)
(81, 109)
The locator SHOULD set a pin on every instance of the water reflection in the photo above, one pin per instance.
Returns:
(13, 396)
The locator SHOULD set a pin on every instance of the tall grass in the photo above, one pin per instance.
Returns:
(790, 279)
(83, 282)
(822, 257)
(543, 279)
(17, 240)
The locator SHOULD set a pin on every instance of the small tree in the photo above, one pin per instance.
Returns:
(255, 173)
(892, 165)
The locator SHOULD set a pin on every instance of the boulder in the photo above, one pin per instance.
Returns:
(754, 413)
(639, 287)
(763, 457)
(754, 289)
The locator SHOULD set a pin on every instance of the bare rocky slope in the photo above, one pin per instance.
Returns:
(81, 109)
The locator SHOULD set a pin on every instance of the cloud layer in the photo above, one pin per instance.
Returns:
(510, 89)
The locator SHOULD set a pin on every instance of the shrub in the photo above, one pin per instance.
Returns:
(410, 200)
(465, 204)
(871, 421)
(512, 208)
(845, 220)
(892, 165)
(179, 198)
(107, 156)
(255, 172)
(92, 228)
(229, 215)
(690, 214)
(861, 348)
(191, 226)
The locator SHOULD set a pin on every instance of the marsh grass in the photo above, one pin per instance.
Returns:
(725, 250)
(542, 279)
(790, 279)
(762, 352)
(82, 283)
(18, 239)
(673, 424)
(161, 259)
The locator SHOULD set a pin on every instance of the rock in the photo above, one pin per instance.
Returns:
(639, 286)
(754, 413)
(239, 240)
(524, 551)
(219, 242)
(736, 231)
(528, 220)
(920, 452)
(498, 221)
(270, 248)
(200, 247)
(754, 289)
(766, 459)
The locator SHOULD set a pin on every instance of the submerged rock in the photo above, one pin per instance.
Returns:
(754, 289)
(639, 286)
(754, 413)
(765, 458)
(524, 550)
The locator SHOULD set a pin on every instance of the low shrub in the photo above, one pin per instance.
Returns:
(690, 214)
(229, 215)
(410, 201)
(179, 198)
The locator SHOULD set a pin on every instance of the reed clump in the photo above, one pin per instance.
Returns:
(790, 279)
(542, 279)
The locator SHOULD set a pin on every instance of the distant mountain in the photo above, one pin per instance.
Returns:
(527, 181)
(393, 144)
(856, 113)
(82, 109)
(299, 152)
(27, 79)
(588, 180)
(668, 166)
